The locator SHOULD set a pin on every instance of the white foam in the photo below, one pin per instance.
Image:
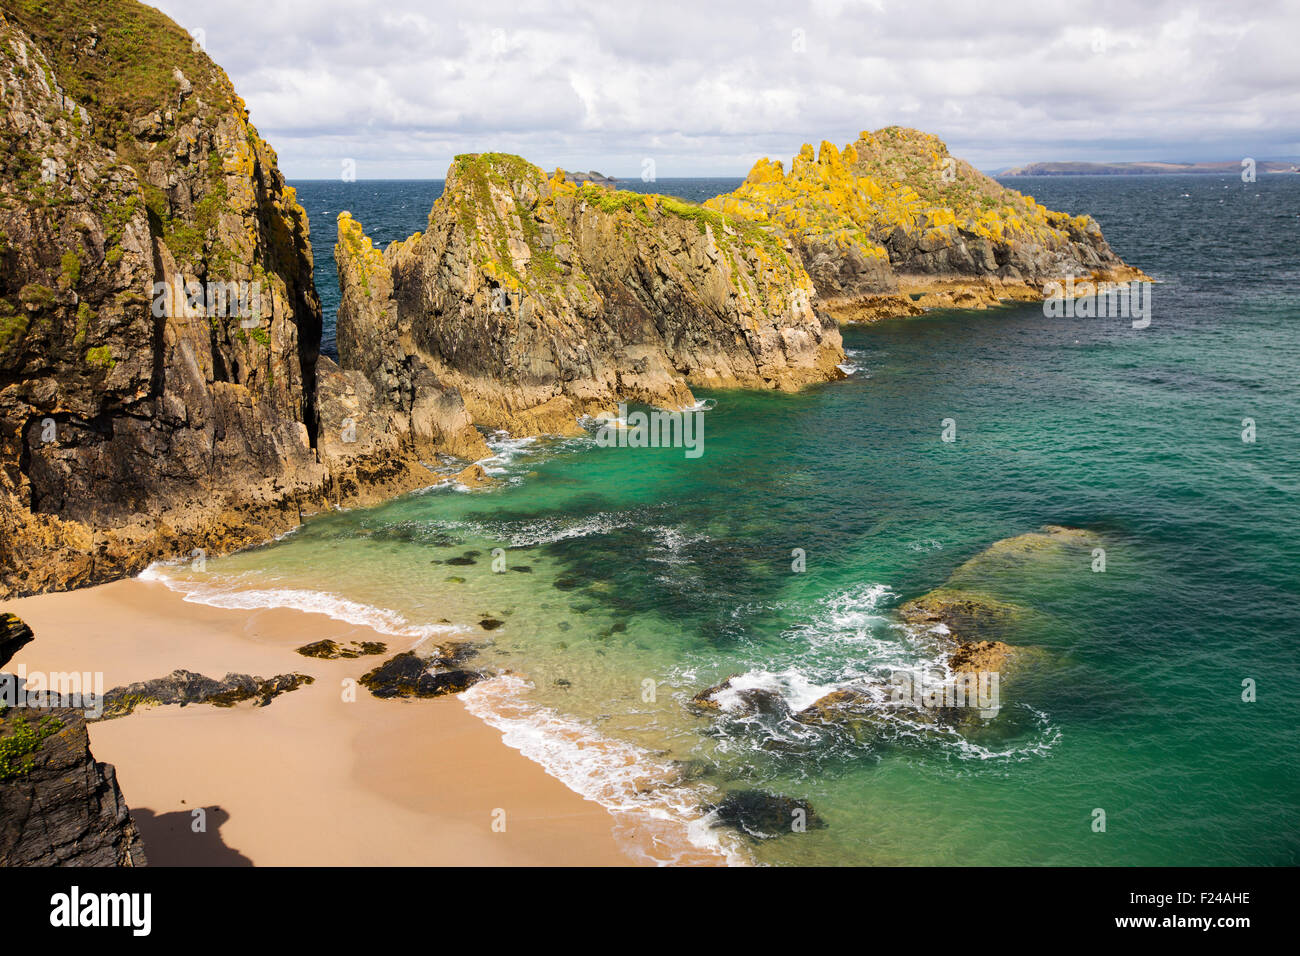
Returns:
(791, 684)
(621, 777)
(299, 599)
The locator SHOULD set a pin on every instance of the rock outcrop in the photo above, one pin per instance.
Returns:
(14, 636)
(186, 687)
(892, 224)
(540, 301)
(58, 805)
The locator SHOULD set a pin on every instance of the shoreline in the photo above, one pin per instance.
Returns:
(310, 779)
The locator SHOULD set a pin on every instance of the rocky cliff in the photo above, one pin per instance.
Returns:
(893, 224)
(540, 300)
(135, 422)
(160, 383)
(58, 805)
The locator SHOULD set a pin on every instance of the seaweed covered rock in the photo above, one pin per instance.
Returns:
(186, 687)
(332, 650)
(893, 224)
(410, 675)
(539, 301)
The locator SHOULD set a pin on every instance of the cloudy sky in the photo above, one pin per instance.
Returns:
(707, 87)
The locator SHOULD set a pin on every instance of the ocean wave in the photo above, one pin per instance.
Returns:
(621, 777)
(232, 597)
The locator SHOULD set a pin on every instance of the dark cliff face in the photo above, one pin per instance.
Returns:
(58, 805)
(133, 424)
(539, 301)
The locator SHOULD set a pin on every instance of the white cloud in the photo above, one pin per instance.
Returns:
(705, 88)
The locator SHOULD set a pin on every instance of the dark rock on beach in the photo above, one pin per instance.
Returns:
(186, 687)
(332, 651)
(409, 675)
(14, 635)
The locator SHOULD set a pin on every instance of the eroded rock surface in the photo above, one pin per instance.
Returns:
(539, 301)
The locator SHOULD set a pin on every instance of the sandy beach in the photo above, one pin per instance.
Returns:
(312, 778)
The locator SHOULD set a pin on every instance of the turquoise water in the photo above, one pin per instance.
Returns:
(644, 565)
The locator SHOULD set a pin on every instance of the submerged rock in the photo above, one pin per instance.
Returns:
(983, 656)
(409, 675)
(186, 687)
(960, 612)
(764, 815)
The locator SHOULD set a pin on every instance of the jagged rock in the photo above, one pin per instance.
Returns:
(14, 635)
(591, 176)
(58, 805)
(332, 651)
(475, 476)
(893, 224)
(186, 687)
(765, 815)
(537, 301)
(410, 675)
(125, 437)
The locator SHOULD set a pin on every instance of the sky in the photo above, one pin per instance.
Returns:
(629, 87)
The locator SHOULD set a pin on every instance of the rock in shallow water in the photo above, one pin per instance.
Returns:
(765, 815)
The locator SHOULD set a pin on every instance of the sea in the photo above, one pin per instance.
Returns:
(1155, 721)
